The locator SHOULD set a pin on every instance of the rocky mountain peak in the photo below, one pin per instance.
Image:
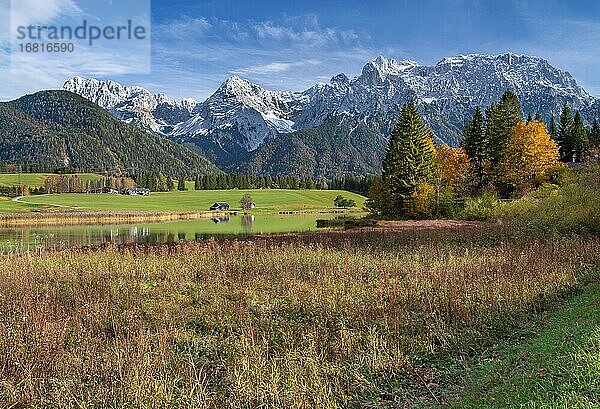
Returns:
(242, 116)
(380, 69)
(340, 79)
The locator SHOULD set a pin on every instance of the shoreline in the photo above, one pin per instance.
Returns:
(99, 217)
(103, 217)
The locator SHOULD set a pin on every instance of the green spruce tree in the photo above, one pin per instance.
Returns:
(181, 184)
(162, 185)
(500, 120)
(170, 184)
(580, 139)
(309, 184)
(475, 145)
(565, 135)
(595, 135)
(409, 160)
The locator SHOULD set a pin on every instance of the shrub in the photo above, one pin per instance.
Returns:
(341, 201)
(570, 209)
(446, 206)
(484, 207)
(421, 203)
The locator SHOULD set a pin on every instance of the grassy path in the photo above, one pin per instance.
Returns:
(8, 206)
(558, 368)
(19, 199)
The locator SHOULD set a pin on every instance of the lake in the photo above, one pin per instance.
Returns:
(58, 237)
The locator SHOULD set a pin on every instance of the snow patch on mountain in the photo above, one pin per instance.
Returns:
(135, 105)
(245, 108)
(244, 115)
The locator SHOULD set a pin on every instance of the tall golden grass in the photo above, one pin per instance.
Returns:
(331, 320)
(95, 218)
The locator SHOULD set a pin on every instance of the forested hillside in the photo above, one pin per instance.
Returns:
(59, 128)
(339, 147)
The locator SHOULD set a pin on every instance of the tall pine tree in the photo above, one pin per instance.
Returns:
(409, 159)
(169, 185)
(500, 120)
(565, 136)
(181, 184)
(474, 144)
(595, 135)
(580, 138)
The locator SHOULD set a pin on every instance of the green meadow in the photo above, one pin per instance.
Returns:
(8, 206)
(36, 179)
(268, 200)
(555, 362)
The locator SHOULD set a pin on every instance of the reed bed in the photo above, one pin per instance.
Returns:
(98, 217)
(330, 320)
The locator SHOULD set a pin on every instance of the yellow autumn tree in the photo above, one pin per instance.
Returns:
(452, 165)
(421, 203)
(531, 156)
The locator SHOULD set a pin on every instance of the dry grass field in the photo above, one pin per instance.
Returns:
(340, 319)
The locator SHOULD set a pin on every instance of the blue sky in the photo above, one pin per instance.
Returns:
(290, 45)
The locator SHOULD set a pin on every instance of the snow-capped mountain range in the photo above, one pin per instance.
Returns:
(241, 116)
(136, 105)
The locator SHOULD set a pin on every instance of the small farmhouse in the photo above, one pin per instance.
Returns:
(219, 206)
(106, 190)
(136, 191)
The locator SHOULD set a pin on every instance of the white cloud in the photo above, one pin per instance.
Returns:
(184, 27)
(274, 67)
(301, 31)
(30, 72)
(194, 55)
(26, 12)
(291, 53)
(305, 34)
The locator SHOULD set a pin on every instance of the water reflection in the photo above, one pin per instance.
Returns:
(247, 222)
(168, 232)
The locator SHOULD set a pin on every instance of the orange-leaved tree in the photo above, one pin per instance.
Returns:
(452, 165)
(531, 156)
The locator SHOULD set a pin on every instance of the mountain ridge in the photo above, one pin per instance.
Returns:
(135, 105)
(240, 117)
